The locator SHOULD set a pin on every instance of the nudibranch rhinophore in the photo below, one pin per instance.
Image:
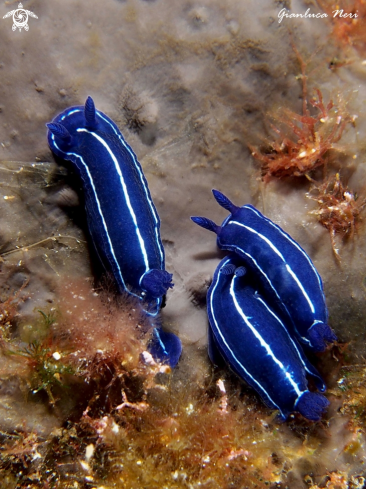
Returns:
(286, 272)
(248, 334)
(122, 220)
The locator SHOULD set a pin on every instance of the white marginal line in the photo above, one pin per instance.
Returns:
(291, 240)
(288, 334)
(159, 300)
(157, 335)
(70, 113)
(231, 352)
(118, 169)
(261, 340)
(226, 220)
(274, 290)
(99, 209)
(272, 246)
(142, 178)
(262, 237)
(146, 190)
(301, 288)
(262, 272)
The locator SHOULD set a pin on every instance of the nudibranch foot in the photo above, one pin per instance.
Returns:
(165, 347)
(310, 369)
(156, 282)
(312, 405)
(214, 352)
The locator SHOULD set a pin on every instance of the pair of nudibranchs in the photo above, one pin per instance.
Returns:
(258, 336)
(266, 298)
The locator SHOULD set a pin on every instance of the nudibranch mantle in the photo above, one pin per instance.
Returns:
(255, 343)
(286, 272)
(122, 220)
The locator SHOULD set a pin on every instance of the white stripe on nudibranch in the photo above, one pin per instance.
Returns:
(237, 361)
(259, 298)
(294, 276)
(157, 335)
(125, 192)
(226, 220)
(273, 247)
(261, 340)
(260, 269)
(69, 113)
(99, 210)
(276, 250)
(142, 179)
(159, 300)
(285, 235)
(141, 175)
(270, 284)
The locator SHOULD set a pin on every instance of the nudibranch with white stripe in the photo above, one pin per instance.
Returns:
(286, 272)
(122, 220)
(252, 339)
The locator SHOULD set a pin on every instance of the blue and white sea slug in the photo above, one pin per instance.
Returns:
(286, 272)
(122, 220)
(255, 343)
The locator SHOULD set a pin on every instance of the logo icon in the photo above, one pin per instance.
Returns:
(20, 17)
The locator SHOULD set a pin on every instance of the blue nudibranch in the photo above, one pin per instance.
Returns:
(122, 219)
(286, 272)
(249, 335)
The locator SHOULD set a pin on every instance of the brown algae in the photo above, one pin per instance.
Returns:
(128, 422)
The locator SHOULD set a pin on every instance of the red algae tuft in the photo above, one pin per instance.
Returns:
(348, 19)
(303, 140)
(338, 208)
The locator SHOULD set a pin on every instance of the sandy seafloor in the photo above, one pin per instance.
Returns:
(190, 84)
